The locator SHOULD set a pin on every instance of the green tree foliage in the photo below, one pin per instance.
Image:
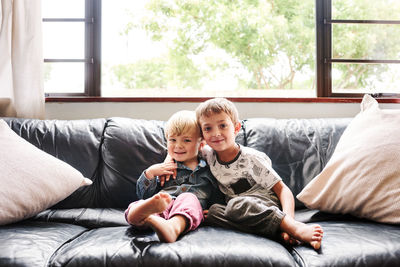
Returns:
(267, 42)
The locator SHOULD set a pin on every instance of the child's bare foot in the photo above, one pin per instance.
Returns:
(288, 239)
(310, 234)
(139, 212)
(167, 230)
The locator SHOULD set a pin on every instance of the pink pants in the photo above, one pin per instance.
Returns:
(186, 204)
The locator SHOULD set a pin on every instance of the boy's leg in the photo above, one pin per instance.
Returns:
(138, 211)
(255, 214)
(188, 206)
(216, 216)
(184, 214)
(247, 214)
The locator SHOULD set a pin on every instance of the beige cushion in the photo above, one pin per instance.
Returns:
(362, 177)
(31, 180)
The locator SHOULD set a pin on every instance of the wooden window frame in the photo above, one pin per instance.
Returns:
(92, 50)
(324, 60)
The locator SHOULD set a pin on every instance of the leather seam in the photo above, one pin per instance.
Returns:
(300, 258)
(53, 256)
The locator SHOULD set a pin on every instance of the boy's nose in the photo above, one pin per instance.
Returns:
(216, 132)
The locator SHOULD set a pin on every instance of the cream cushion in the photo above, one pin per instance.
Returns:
(31, 180)
(362, 177)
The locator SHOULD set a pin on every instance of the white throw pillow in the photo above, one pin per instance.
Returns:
(31, 180)
(362, 177)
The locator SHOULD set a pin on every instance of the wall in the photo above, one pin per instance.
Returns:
(161, 111)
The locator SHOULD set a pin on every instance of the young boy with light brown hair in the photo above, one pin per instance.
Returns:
(174, 206)
(257, 201)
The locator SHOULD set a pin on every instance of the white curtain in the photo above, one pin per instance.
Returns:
(21, 59)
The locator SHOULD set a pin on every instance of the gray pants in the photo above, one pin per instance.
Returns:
(255, 211)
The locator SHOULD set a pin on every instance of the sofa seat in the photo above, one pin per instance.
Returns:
(59, 238)
(33, 243)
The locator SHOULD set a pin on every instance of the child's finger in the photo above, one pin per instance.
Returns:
(162, 180)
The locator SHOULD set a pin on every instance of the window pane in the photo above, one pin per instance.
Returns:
(63, 8)
(202, 48)
(366, 41)
(366, 9)
(365, 78)
(64, 77)
(63, 40)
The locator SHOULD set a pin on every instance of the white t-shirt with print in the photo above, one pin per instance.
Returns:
(249, 168)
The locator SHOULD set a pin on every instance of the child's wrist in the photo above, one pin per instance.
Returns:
(148, 174)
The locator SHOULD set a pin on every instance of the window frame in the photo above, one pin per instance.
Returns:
(92, 49)
(324, 60)
(324, 50)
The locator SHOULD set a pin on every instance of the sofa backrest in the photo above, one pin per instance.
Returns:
(299, 148)
(113, 152)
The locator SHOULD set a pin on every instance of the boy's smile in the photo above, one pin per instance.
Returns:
(184, 148)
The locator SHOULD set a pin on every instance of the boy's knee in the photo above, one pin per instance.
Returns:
(187, 195)
(237, 207)
(216, 210)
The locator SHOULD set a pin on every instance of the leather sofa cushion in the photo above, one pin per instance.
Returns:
(353, 243)
(32, 243)
(207, 246)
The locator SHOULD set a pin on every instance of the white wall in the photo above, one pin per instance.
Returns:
(161, 111)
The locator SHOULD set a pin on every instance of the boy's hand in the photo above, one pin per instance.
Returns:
(166, 177)
(205, 213)
(161, 170)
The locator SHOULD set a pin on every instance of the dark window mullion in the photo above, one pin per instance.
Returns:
(65, 20)
(365, 61)
(323, 35)
(353, 21)
(92, 47)
(60, 60)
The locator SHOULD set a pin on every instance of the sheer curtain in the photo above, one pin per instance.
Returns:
(21, 59)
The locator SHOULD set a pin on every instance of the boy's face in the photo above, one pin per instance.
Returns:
(219, 132)
(184, 147)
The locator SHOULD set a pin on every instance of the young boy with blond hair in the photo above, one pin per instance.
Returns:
(174, 206)
(257, 201)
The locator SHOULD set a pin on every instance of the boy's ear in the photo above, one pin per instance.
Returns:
(237, 127)
(202, 144)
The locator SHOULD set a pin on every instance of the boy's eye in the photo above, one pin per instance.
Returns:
(188, 140)
(171, 140)
(206, 129)
(223, 126)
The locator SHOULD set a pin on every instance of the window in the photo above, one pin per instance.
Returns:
(358, 48)
(176, 48)
(71, 50)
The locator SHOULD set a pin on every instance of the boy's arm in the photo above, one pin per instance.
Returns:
(147, 182)
(145, 187)
(286, 198)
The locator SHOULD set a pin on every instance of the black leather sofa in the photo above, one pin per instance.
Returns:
(88, 228)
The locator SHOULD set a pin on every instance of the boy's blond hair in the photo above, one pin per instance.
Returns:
(182, 122)
(216, 106)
